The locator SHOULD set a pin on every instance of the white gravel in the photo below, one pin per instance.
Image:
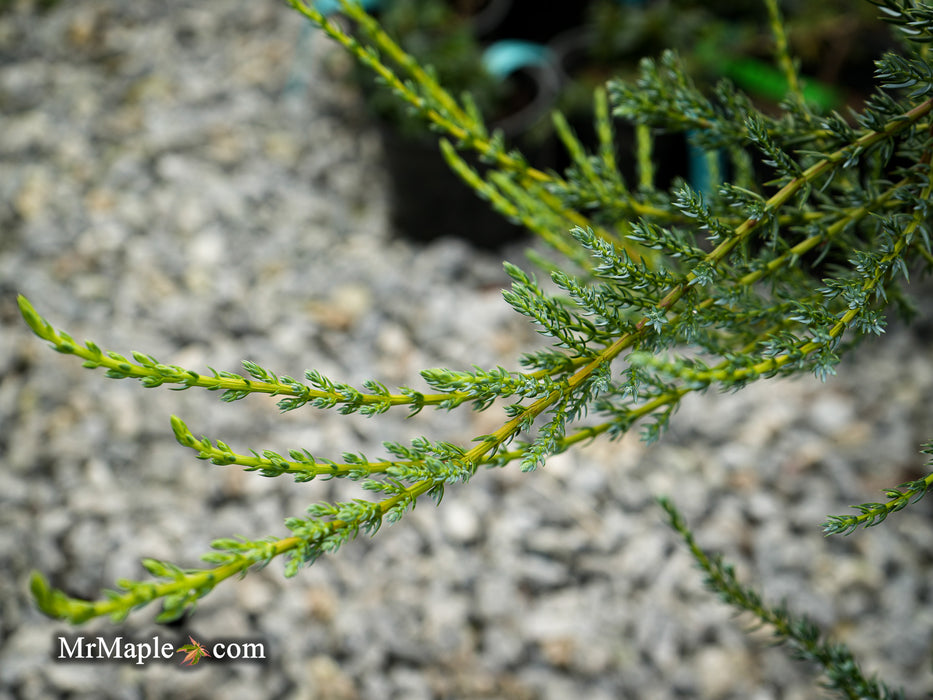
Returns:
(161, 191)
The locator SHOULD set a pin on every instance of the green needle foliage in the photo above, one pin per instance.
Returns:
(840, 669)
(870, 514)
(797, 255)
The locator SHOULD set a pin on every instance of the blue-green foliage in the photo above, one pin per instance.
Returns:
(655, 294)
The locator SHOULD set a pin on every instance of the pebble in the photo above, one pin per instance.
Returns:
(460, 523)
(164, 195)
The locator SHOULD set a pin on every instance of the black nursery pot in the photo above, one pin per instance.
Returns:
(429, 201)
(533, 20)
(486, 16)
(577, 66)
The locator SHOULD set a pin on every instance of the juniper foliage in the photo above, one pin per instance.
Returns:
(778, 271)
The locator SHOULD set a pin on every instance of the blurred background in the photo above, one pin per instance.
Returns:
(212, 181)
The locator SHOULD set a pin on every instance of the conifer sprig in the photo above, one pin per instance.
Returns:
(179, 589)
(871, 514)
(329, 526)
(417, 87)
(658, 294)
(319, 392)
(836, 662)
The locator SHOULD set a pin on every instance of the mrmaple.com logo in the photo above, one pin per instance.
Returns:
(140, 652)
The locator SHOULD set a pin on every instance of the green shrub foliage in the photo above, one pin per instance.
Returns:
(800, 251)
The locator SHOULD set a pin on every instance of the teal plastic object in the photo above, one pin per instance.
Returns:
(503, 58)
(329, 7)
(701, 176)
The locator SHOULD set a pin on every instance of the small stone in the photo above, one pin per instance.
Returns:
(34, 195)
(559, 651)
(328, 680)
(461, 524)
(829, 414)
(721, 673)
(344, 308)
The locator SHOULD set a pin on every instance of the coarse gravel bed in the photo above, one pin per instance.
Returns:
(165, 187)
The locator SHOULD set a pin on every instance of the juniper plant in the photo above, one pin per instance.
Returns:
(799, 253)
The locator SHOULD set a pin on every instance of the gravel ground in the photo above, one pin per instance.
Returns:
(165, 187)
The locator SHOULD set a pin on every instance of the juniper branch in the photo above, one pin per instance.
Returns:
(835, 660)
(151, 373)
(330, 526)
(442, 111)
(871, 514)
(784, 60)
(744, 304)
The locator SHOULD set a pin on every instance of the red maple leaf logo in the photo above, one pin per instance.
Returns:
(196, 652)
